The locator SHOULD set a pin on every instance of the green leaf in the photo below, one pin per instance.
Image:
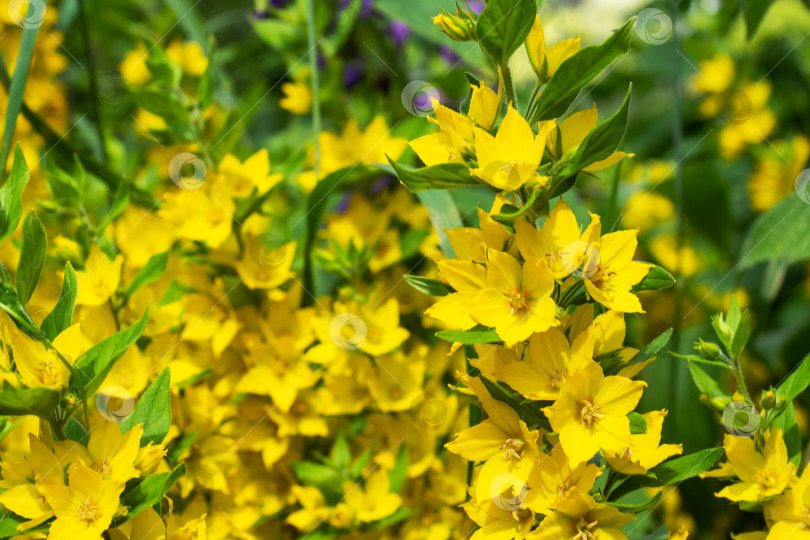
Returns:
(316, 207)
(11, 305)
(578, 70)
(470, 337)
(153, 411)
(432, 287)
(656, 279)
(786, 421)
(58, 320)
(327, 479)
(399, 473)
(32, 257)
(39, 401)
(341, 455)
(701, 360)
(25, 52)
(75, 431)
(9, 523)
(444, 215)
(741, 334)
(638, 424)
(706, 384)
(148, 492)
(781, 233)
(503, 26)
(602, 141)
(11, 194)
(65, 188)
(150, 272)
(92, 367)
(614, 365)
(442, 176)
(796, 382)
(119, 204)
(754, 11)
(637, 508)
(670, 472)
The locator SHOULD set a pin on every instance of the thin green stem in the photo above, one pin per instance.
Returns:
(738, 371)
(508, 85)
(314, 82)
(95, 97)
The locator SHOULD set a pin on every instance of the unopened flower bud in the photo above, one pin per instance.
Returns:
(768, 400)
(708, 349)
(149, 458)
(456, 28)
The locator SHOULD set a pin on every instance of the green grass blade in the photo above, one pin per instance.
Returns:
(18, 80)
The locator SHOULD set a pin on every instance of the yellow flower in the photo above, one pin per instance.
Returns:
(559, 243)
(510, 158)
(517, 299)
(714, 75)
(484, 105)
(762, 474)
(85, 507)
(99, 279)
(644, 451)
(553, 56)
(549, 362)
(297, 98)
(609, 283)
(573, 131)
(773, 179)
(552, 478)
(374, 500)
(790, 512)
(189, 56)
(502, 432)
(454, 138)
(644, 209)
(37, 365)
(108, 453)
(133, 68)
(254, 172)
(579, 516)
(592, 412)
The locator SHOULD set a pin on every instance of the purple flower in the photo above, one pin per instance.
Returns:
(449, 55)
(352, 73)
(476, 6)
(399, 32)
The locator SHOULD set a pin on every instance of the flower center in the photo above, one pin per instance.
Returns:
(589, 414)
(585, 530)
(86, 511)
(102, 466)
(557, 377)
(766, 478)
(518, 301)
(512, 447)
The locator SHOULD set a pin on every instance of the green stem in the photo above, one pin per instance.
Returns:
(738, 371)
(508, 85)
(59, 429)
(95, 98)
(314, 82)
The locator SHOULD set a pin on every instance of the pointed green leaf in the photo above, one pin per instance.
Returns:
(432, 287)
(58, 320)
(656, 279)
(469, 337)
(153, 411)
(796, 382)
(39, 401)
(150, 272)
(92, 367)
(503, 26)
(32, 257)
(578, 70)
(11, 195)
(442, 176)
